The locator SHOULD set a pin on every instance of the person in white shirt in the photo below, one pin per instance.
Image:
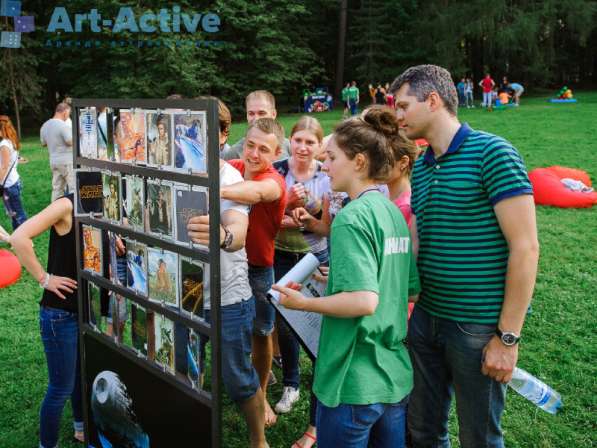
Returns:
(57, 135)
(237, 301)
(9, 177)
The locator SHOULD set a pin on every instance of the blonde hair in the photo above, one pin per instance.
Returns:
(269, 126)
(307, 123)
(8, 131)
(267, 96)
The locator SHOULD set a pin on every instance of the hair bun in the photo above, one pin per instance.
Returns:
(383, 120)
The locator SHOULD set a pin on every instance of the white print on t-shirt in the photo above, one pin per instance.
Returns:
(395, 245)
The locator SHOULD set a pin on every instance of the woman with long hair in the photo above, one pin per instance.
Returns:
(363, 373)
(9, 177)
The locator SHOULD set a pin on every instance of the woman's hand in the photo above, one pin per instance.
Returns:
(288, 222)
(323, 277)
(296, 196)
(290, 297)
(56, 284)
(304, 218)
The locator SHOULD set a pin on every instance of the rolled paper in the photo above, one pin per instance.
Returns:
(298, 274)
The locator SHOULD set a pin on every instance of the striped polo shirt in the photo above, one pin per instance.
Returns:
(463, 254)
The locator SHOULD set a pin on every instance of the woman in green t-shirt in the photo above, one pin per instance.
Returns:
(363, 373)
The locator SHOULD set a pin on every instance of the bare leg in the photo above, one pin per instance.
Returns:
(262, 360)
(253, 411)
(308, 438)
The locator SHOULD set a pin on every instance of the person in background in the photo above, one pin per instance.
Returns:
(487, 84)
(389, 96)
(380, 95)
(353, 98)
(305, 228)
(518, 90)
(57, 135)
(363, 373)
(345, 100)
(468, 93)
(460, 89)
(58, 315)
(259, 104)
(9, 176)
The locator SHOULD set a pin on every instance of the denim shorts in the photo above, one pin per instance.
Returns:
(239, 375)
(261, 280)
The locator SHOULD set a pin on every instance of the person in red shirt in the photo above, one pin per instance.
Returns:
(487, 84)
(265, 191)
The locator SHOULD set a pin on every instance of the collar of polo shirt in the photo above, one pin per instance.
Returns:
(461, 134)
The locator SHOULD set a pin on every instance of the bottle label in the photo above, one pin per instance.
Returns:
(544, 397)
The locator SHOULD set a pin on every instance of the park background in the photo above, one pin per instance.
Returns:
(286, 46)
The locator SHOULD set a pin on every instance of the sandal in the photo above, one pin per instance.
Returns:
(309, 436)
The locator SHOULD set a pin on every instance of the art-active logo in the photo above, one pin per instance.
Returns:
(22, 24)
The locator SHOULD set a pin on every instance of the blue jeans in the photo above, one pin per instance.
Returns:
(60, 336)
(446, 358)
(13, 205)
(375, 425)
(239, 376)
(261, 280)
(289, 345)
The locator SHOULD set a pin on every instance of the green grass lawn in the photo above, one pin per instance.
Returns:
(558, 346)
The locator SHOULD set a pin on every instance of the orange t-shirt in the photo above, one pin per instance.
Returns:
(504, 98)
(265, 219)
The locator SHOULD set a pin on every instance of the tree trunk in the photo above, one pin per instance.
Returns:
(341, 49)
(13, 91)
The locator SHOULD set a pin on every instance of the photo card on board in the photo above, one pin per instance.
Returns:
(192, 286)
(133, 194)
(159, 139)
(189, 202)
(164, 342)
(163, 276)
(159, 208)
(136, 256)
(190, 141)
(111, 194)
(129, 135)
(88, 193)
(88, 133)
(92, 249)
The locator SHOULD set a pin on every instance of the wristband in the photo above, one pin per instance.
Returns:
(45, 282)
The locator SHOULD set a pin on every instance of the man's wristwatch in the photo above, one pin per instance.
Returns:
(228, 237)
(507, 337)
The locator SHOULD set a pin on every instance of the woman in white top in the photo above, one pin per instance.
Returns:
(9, 177)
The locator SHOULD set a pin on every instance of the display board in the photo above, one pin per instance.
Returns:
(150, 362)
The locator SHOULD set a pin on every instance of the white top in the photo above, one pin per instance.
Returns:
(234, 270)
(55, 133)
(13, 175)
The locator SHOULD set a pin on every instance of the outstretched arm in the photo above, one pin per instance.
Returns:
(252, 192)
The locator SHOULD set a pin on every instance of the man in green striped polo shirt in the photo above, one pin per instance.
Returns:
(477, 245)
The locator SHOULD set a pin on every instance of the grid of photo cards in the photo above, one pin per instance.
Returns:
(172, 138)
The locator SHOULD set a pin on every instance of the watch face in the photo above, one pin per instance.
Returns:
(509, 338)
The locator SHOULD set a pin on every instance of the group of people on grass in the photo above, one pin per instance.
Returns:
(451, 229)
(493, 95)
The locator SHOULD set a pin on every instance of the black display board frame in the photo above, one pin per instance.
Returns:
(211, 181)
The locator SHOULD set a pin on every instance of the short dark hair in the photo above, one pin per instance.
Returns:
(424, 79)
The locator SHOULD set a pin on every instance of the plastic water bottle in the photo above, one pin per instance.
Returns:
(535, 390)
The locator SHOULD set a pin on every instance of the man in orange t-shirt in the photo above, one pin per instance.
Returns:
(265, 191)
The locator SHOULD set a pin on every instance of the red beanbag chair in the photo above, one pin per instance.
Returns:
(549, 190)
(10, 268)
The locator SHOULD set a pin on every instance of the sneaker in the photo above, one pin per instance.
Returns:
(289, 397)
(271, 379)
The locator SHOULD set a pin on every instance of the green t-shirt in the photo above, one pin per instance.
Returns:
(364, 360)
(353, 93)
(345, 94)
